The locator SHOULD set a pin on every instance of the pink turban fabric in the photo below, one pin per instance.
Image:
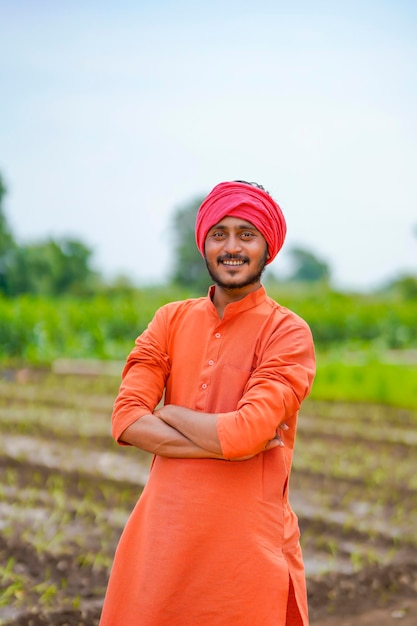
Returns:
(247, 202)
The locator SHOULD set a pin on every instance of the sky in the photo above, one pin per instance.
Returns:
(116, 114)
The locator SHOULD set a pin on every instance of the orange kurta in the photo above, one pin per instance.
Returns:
(214, 542)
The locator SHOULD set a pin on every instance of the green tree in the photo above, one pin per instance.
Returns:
(404, 285)
(307, 267)
(49, 267)
(7, 243)
(52, 268)
(189, 268)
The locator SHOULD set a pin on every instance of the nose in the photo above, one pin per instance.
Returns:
(233, 245)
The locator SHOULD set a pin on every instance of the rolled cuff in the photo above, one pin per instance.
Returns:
(121, 422)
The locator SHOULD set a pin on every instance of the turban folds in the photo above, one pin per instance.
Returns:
(250, 203)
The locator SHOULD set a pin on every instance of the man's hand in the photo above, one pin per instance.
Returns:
(277, 440)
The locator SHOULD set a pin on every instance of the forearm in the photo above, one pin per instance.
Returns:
(200, 428)
(152, 434)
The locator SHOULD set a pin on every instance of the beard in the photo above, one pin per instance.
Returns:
(253, 277)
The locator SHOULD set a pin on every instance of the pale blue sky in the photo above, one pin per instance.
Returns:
(113, 114)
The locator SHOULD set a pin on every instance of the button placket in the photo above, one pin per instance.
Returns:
(213, 349)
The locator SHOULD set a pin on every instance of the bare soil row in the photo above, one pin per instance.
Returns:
(67, 490)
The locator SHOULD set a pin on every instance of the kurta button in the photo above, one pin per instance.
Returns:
(204, 385)
(217, 335)
(211, 362)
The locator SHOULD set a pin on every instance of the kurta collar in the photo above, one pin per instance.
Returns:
(250, 301)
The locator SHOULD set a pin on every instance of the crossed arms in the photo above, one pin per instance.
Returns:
(257, 412)
(178, 432)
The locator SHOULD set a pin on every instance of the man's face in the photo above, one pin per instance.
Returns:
(235, 253)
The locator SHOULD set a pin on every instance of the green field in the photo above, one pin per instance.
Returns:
(67, 489)
(366, 344)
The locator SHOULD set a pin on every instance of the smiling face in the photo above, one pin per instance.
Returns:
(236, 254)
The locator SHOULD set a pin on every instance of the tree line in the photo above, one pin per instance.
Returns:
(55, 267)
(51, 267)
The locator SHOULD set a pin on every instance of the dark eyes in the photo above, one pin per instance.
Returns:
(220, 234)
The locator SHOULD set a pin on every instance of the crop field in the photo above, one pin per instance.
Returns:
(66, 491)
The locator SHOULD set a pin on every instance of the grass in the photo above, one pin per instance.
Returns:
(365, 377)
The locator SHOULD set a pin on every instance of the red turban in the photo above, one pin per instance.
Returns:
(247, 202)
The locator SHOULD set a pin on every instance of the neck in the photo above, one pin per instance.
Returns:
(223, 296)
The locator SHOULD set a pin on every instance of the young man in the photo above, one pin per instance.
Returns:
(213, 540)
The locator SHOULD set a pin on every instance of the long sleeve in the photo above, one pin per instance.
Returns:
(273, 393)
(143, 378)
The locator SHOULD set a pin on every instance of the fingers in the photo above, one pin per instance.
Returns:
(274, 443)
(277, 441)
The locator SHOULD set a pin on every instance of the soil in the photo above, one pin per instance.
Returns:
(67, 492)
(374, 599)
